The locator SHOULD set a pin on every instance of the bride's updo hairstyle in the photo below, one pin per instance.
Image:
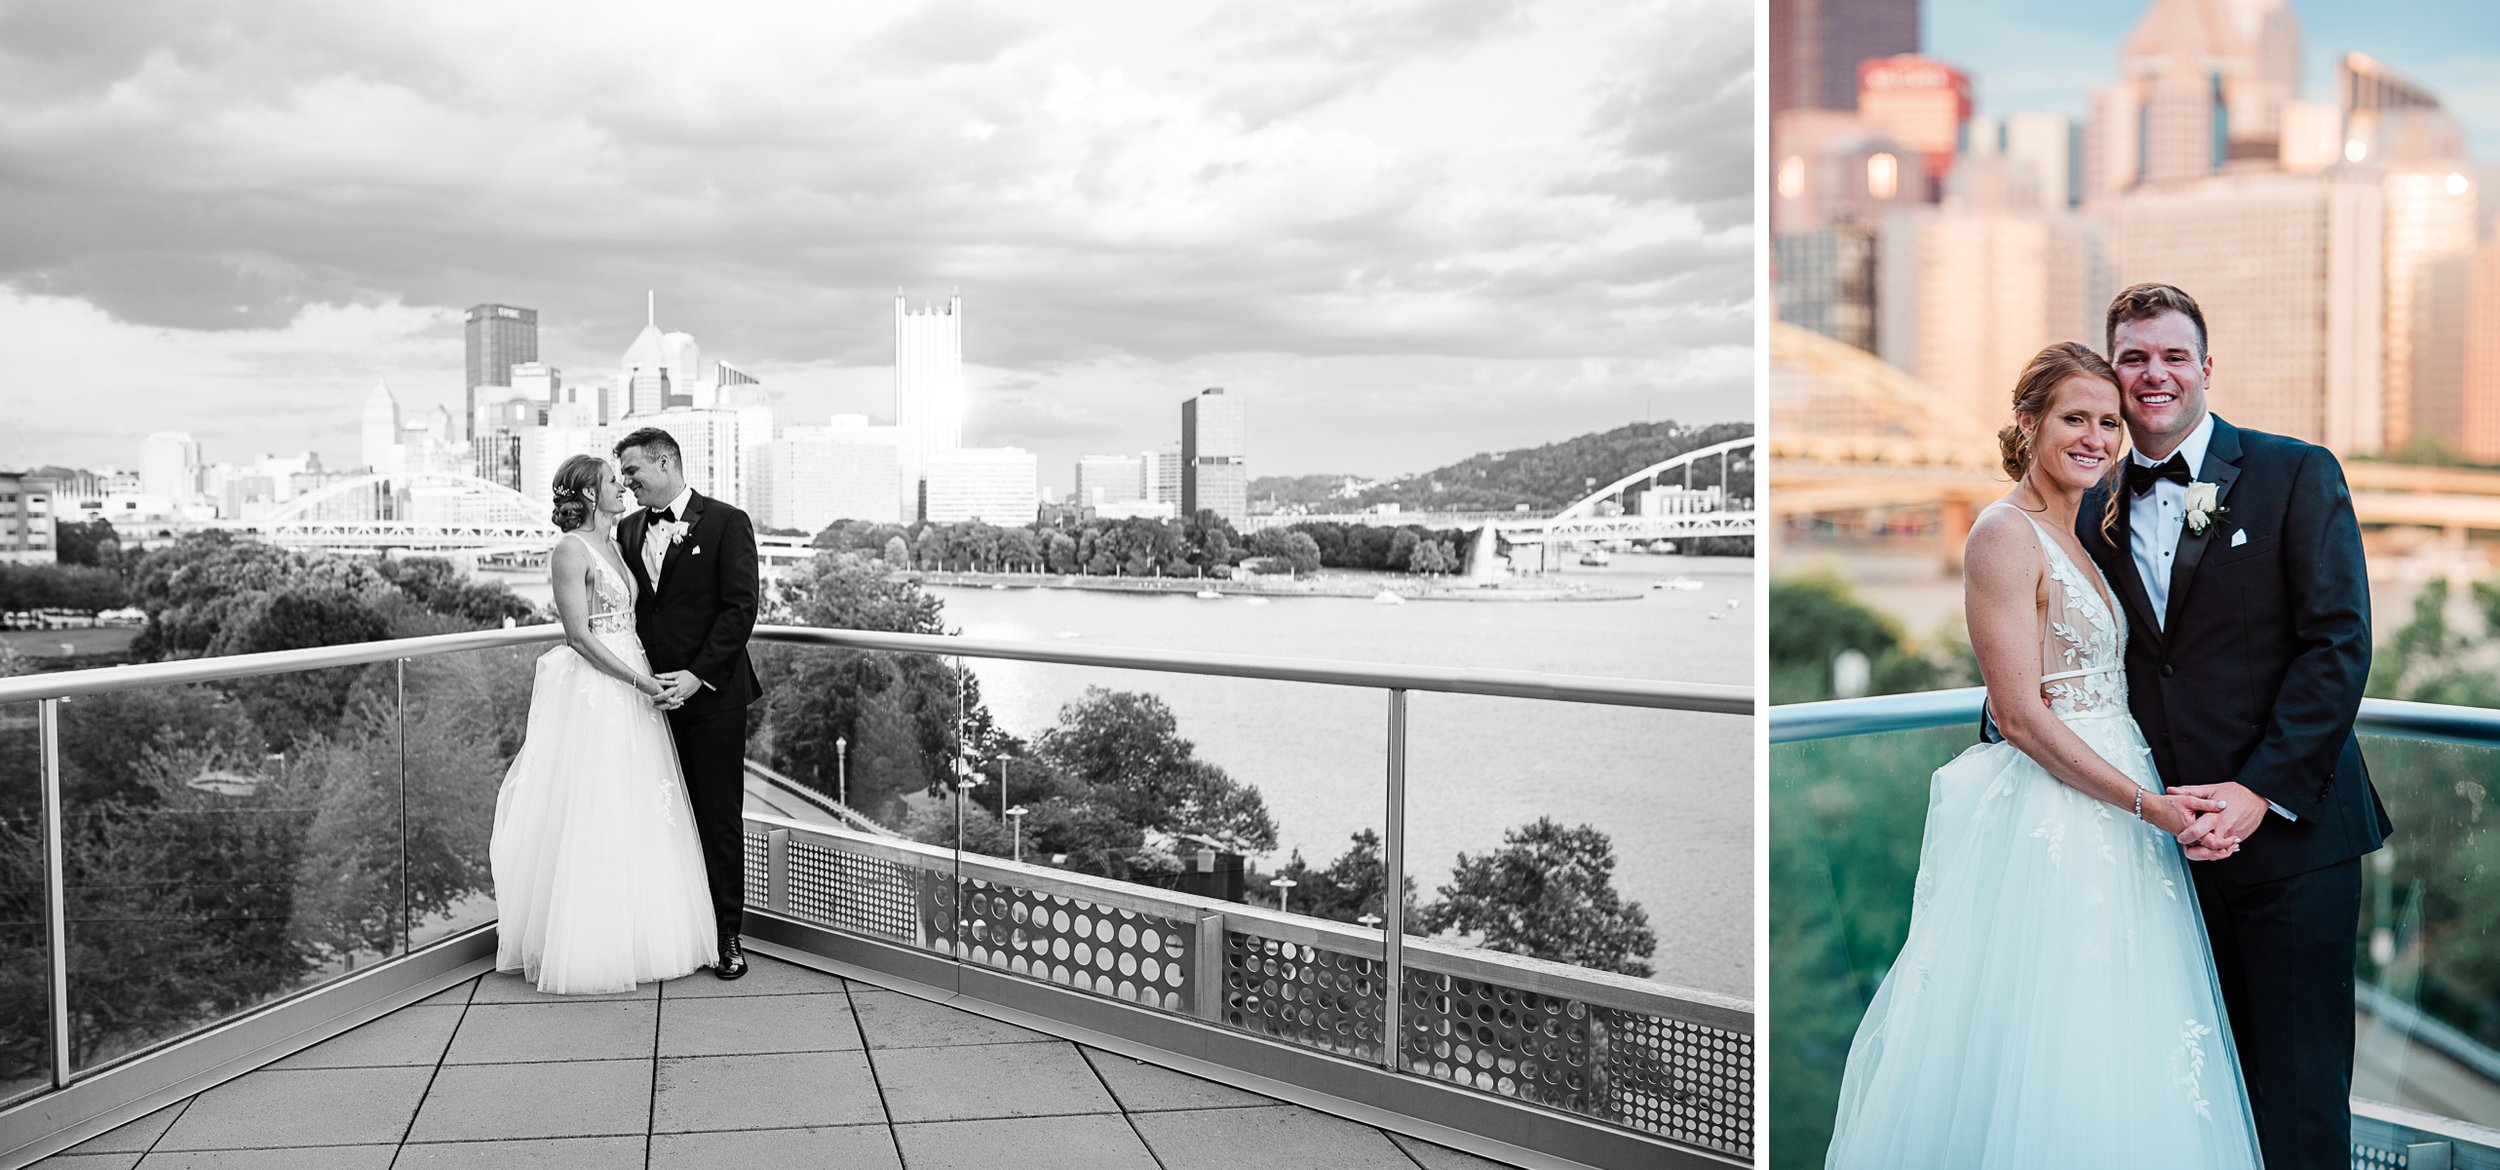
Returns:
(2047, 369)
(577, 490)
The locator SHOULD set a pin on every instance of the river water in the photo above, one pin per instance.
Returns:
(1674, 791)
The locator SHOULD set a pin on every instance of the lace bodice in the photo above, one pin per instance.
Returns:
(2083, 639)
(611, 596)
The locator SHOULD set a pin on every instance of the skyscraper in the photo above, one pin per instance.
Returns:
(1109, 479)
(1215, 452)
(2288, 271)
(169, 466)
(1816, 46)
(1921, 102)
(928, 380)
(2430, 218)
(2479, 436)
(499, 337)
(2200, 82)
(646, 377)
(381, 449)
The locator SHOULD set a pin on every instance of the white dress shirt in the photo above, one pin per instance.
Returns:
(2155, 522)
(654, 545)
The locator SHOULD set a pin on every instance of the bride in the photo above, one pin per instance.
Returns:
(599, 881)
(2055, 1004)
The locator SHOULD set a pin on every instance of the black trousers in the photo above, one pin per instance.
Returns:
(712, 751)
(2284, 951)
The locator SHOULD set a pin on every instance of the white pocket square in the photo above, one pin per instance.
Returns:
(2237, 539)
(698, 549)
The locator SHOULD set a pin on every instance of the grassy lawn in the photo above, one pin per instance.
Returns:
(81, 643)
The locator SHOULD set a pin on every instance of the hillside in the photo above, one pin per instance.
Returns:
(1544, 478)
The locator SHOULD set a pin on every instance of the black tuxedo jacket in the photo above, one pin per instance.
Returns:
(2258, 672)
(701, 613)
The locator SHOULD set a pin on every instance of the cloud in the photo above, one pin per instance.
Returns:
(1179, 193)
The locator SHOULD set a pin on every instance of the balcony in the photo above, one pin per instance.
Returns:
(1848, 798)
(912, 1004)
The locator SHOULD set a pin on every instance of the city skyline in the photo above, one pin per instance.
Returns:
(1407, 233)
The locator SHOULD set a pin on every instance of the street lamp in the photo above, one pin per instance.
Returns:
(1016, 817)
(842, 770)
(1369, 921)
(965, 781)
(1284, 893)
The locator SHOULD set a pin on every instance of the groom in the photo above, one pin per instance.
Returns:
(2238, 559)
(693, 561)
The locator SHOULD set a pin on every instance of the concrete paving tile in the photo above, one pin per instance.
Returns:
(582, 1098)
(412, 1035)
(301, 1107)
(894, 1020)
(1286, 1137)
(595, 1153)
(509, 987)
(120, 1160)
(732, 1025)
(966, 1082)
(131, 1136)
(764, 977)
(1094, 1141)
(770, 1090)
(513, 1033)
(296, 1158)
(1439, 1157)
(455, 995)
(1143, 1087)
(850, 1147)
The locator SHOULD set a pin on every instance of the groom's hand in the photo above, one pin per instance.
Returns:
(2241, 811)
(676, 687)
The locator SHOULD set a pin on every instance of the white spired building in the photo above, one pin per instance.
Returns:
(383, 454)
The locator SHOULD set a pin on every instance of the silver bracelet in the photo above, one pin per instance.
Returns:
(2139, 804)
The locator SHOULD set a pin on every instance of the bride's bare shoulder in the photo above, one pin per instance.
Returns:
(2001, 540)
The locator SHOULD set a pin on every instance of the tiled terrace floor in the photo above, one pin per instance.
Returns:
(786, 1068)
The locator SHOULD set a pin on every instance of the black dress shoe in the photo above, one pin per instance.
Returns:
(733, 958)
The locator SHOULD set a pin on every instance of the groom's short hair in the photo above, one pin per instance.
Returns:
(652, 440)
(2144, 302)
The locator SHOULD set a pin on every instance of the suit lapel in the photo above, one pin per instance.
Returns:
(676, 552)
(2117, 558)
(630, 535)
(2222, 469)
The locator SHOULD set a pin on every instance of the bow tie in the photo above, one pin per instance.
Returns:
(2140, 478)
(664, 515)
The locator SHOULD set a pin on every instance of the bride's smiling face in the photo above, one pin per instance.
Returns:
(2080, 436)
(611, 492)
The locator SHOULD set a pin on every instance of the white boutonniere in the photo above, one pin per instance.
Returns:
(672, 531)
(2204, 506)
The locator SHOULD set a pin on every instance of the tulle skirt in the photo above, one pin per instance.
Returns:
(2055, 1004)
(599, 880)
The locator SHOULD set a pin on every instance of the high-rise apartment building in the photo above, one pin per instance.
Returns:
(809, 477)
(2288, 271)
(2047, 145)
(1825, 281)
(169, 466)
(499, 337)
(995, 485)
(30, 516)
(928, 379)
(1972, 289)
(1816, 46)
(2478, 435)
(1215, 455)
(2200, 82)
(539, 382)
(1162, 475)
(1922, 103)
(1109, 479)
(2430, 215)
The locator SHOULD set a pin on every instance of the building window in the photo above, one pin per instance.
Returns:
(1883, 175)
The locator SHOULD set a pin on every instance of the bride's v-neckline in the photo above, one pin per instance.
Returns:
(2103, 593)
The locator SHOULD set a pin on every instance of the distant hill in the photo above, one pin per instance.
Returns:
(1545, 478)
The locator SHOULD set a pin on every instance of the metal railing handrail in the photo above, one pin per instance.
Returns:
(1711, 698)
(1917, 710)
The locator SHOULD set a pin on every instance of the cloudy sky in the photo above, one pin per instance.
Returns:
(2031, 56)
(1406, 230)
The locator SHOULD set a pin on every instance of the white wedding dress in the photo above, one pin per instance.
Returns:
(2055, 1004)
(599, 880)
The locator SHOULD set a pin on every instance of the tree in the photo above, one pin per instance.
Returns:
(1299, 552)
(91, 543)
(1349, 888)
(1814, 617)
(1548, 893)
(930, 548)
(1059, 552)
(440, 587)
(208, 581)
(1127, 748)
(896, 554)
(294, 707)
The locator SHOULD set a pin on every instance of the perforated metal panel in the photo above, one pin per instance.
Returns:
(1303, 995)
(850, 891)
(759, 875)
(1668, 1077)
(1141, 958)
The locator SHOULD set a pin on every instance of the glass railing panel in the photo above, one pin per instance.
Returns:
(226, 845)
(1846, 818)
(466, 714)
(1615, 839)
(2427, 963)
(25, 946)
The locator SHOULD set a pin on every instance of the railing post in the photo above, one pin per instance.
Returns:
(1393, 892)
(2429, 1155)
(1206, 977)
(777, 870)
(55, 887)
(407, 926)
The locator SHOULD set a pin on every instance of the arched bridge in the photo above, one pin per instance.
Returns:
(437, 511)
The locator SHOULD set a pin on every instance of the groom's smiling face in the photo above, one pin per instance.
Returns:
(652, 477)
(2162, 368)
